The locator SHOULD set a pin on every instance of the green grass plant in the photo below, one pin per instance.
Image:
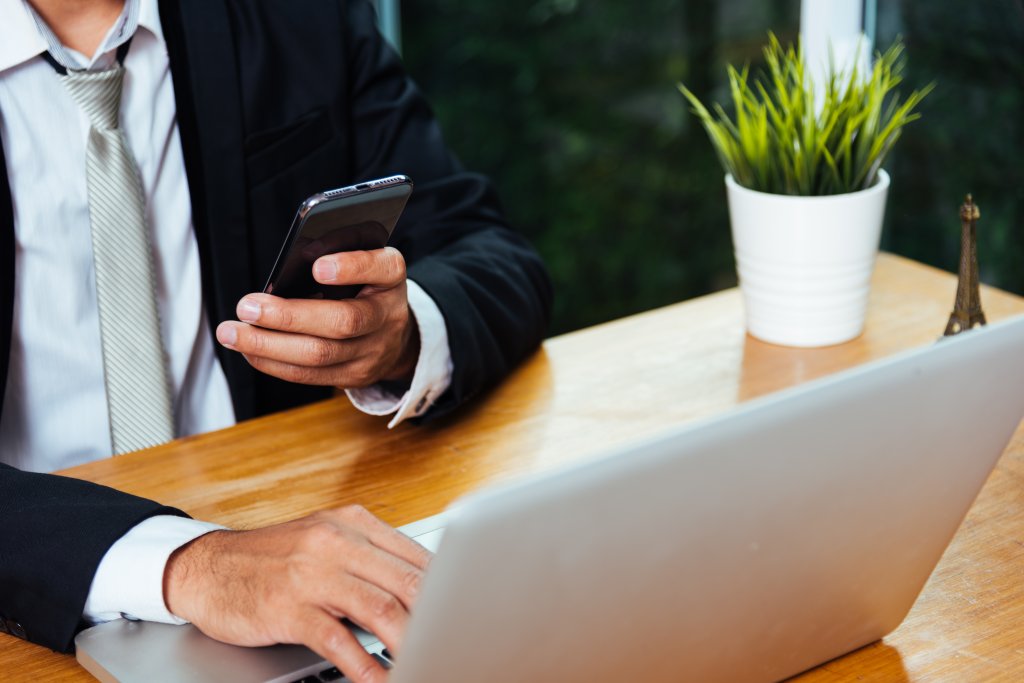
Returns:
(785, 139)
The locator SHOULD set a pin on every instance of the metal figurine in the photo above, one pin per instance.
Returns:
(967, 311)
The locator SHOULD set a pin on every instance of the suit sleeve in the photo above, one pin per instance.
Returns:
(491, 286)
(54, 533)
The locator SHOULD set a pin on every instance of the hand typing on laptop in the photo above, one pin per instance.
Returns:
(292, 582)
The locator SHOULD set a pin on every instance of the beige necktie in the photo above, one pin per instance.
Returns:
(134, 362)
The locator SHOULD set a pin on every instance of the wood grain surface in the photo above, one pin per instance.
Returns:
(582, 394)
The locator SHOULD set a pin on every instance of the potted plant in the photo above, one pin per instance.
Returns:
(806, 189)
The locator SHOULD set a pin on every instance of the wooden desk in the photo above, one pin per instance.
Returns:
(582, 394)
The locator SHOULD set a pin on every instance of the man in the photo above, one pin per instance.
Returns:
(207, 122)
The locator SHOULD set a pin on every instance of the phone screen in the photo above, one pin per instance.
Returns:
(355, 218)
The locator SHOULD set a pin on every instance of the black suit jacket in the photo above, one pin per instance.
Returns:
(277, 99)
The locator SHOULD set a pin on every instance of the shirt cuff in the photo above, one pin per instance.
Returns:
(130, 579)
(433, 371)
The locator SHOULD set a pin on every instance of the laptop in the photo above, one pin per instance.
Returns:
(746, 547)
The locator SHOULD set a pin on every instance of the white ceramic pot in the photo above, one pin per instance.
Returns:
(805, 263)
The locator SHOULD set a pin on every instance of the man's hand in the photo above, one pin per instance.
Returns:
(347, 344)
(292, 582)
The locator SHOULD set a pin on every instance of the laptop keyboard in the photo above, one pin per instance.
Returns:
(335, 674)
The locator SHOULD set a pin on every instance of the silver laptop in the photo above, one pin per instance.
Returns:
(747, 547)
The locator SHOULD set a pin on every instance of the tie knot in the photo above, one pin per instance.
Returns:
(98, 93)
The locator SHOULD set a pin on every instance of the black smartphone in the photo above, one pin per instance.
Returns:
(354, 218)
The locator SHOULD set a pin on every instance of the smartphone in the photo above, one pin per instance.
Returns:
(354, 218)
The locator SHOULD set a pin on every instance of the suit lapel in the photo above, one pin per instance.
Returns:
(201, 49)
(6, 273)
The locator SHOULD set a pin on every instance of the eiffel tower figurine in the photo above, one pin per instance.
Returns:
(967, 311)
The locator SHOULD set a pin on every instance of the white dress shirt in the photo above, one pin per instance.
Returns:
(55, 409)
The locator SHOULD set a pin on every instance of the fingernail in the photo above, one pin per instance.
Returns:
(227, 335)
(249, 311)
(325, 270)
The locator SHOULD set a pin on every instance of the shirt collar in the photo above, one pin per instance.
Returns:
(149, 18)
(20, 40)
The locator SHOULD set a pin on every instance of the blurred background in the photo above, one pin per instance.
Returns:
(572, 108)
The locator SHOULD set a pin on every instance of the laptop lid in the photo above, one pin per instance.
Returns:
(748, 547)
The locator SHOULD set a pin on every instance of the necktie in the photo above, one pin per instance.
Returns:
(134, 362)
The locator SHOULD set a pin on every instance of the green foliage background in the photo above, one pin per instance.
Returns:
(971, 136)
(571, 107)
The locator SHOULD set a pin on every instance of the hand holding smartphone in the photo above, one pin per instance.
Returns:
(354, 218)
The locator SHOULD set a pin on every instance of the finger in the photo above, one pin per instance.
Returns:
(316, 317)
(387, 571)
(353, 374)
(380, 267)
(383, 535)
(374, 609)
(294, 349)
(325, 635)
